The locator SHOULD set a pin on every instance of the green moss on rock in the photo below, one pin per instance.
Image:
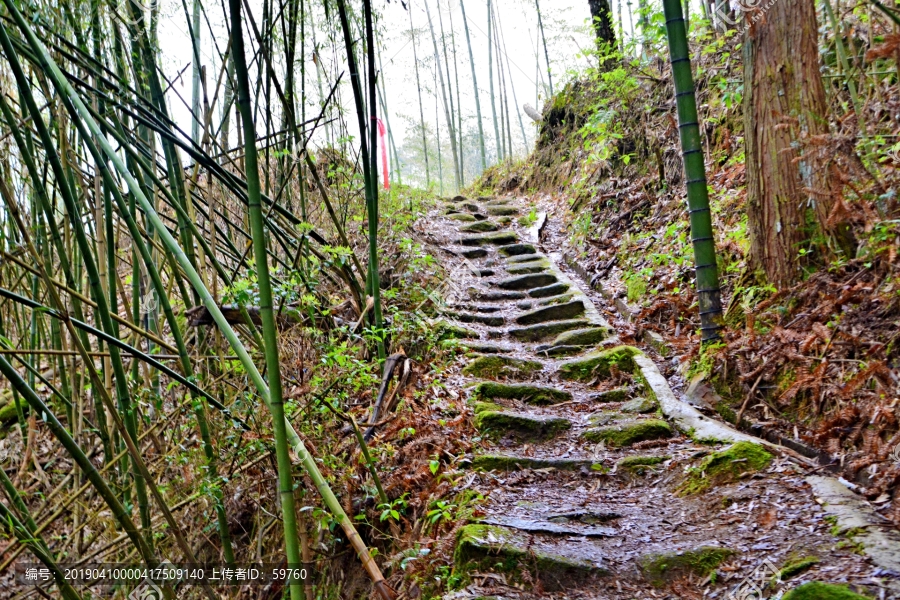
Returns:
(464, 217)
(480, 407)
(816, 590)
(614, 395)
(795, 567)
(639, 406)
(532, 394)
(542, 331)
(556, 312)
(581, 337)
(659, 568)
(450, 331)
(494, 367)
(479, 227)
(626, 433)
(502, 211)
(520, 424)
(499, 238)
(502, 462)
(516, 249)
(534, 266)
(598, 364)
(725, 466)
(638, 465)
(8, 411)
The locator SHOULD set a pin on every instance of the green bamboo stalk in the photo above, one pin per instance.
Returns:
(412, 33)
(490, 36)
(537, 5)
(707, 278)
(270, 332)
(448, 105)
(475, 86)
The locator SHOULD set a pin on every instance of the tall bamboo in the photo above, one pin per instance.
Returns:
(447, 110)
(475, 87)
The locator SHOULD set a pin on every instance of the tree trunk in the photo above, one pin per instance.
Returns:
(544, 38)
(601, 16)
(788, 184)
(474, 85)
(497, 138)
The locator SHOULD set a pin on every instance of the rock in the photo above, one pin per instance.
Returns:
(537, 266)
(450, 331)
(556, 351)
(556, 299)
(524, 258)
(533, 526)
(476, 308)
(501, 211)
(520, 424)
(626, 433)
(500, 462)
(485, 348)
(458, 199)
(494, 367)
(504, 221)
(701, 561)
(525, 305)
(465, 217)
(655, 341)
(616, 395)
(581, 337)
(532, 394)
(496, 202)
(554, 289)
(598, 364)
(498, 238)
(639, 465)
(481, 548)
(484, 273)
(479, 227)
(816, 590)
(495, 296)
(527, 282)
(492, 320)
(556, 312)
(474, 253)
(639, 406)
(516, 249)
(541, 331)
(725, 466)
(471, 207)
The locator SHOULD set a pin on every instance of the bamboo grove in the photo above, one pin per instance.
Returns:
(121, 232)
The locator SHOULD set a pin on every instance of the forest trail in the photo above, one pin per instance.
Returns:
(591, 489)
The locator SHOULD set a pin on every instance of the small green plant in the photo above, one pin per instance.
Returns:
(394, 509)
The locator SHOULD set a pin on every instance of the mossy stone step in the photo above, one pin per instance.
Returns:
(527, 282)
(542, 331)
(475, 308)
(701, 561)
(484, 348)
(561, 299)
(725, 466)
(506, 462)
(816, 590)
(516, 249)
(481, 548)
(493, 296)
(492, 320)
(474, 253)
(598, 364)
(639, 406)
(479, 227)
(553, 289)
(498, 238)
(536, 266)
(494, 367)
(464, 217)
(556, 312)
(450, 331)
(495, 201)
(471, 207)
(615, 395)
(520, 424)
(558, 351)
(457, 199)
(549, 527)
(501, 211)
(626, 433)
(525, 258)
(531, 394)
(581, 337)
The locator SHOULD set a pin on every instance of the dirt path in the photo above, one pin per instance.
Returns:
(590, 490)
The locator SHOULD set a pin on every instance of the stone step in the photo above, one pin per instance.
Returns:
(485, 348)
(614, 395)
(474, 253)
(536, 266)
(639, 406)
(464, 217)
(456, 199)
(660, 567)
(598, 364)
(531, 394)
(496, 202)
(542, 331)
(481, 548)
(475, 308)
(558, 351)
(553, 289)
(639, 465)
(527, 282)
(501, 211)
(498, 238)
(471, 207)
(582, 337)
(549, 527)
(451, 331)
(516, 249)
(525, 258)
(479, 227)
(520, 424)
(492, 296)
(557, 312)
(492, 320)
(507, 462)
(495, 367)
(629, 432)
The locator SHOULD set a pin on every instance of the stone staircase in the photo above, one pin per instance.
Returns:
(590, 491)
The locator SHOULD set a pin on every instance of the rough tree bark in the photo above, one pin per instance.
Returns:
(789, 186)
(601, 16)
